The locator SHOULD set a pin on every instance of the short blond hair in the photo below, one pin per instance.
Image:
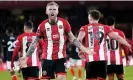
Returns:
(52, 3)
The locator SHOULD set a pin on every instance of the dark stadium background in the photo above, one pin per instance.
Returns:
(15, 13)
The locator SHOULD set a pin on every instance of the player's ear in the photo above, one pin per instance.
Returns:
(58, 11)
(32, 29)
(88, 16)
(46, 10)
(24, 28)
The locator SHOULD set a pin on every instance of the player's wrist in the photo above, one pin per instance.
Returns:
(129, 46)
(26, 55)
(82, 48)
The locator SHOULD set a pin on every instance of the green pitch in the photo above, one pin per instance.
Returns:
(128, 75)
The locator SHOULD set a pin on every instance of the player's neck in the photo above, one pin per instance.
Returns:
(93, 22)
(29, 31)
(113, 26)
(54, 21)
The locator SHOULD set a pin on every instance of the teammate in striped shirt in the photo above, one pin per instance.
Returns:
(31, 68)
(55, 32)
(95, 37)
(114, 51)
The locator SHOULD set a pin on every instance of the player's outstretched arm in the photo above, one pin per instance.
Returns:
(16, 51)
(30, 51)
(32, 46)
(76, 42)
(14, 55)
(81, 35)
(119, 39)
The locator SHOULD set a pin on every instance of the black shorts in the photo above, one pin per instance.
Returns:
(96, 69)
(117, 69)
(50, 67)
(30, 72)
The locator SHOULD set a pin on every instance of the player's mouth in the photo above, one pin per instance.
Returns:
(52, 15)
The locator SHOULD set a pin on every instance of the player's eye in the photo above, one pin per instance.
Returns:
(50, 9)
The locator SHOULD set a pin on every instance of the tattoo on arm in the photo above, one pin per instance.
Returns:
(73, 40)
(76, 43)
(32, 47)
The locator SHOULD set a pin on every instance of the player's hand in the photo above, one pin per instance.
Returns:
(131, 50)
(127, 62)
(12, 65)
(12, 69)
(82, 55)
(88, 51)
(23, 62)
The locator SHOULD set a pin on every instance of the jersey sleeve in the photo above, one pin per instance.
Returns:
(16, 50)
(40, 30)
(18, 42)
(67, 26)
(122, 35)
(40, 43)
(82, 28)
(107, 29)
(126, 50)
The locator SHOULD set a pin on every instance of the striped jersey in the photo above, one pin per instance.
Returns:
(22, 43)
(95, 38)
(54, 37)
(114, 49)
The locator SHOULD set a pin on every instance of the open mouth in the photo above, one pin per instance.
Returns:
(52, 14)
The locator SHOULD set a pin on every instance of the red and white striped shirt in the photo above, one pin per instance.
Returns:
(95, 38)
(114, 49)
(54, 38)
(22, 45)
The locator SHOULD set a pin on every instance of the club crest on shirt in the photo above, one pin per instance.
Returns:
(44, 72)
(65, 64)
(60, 26)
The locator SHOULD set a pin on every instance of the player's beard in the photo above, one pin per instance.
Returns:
(53, 22)
(53, 19)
